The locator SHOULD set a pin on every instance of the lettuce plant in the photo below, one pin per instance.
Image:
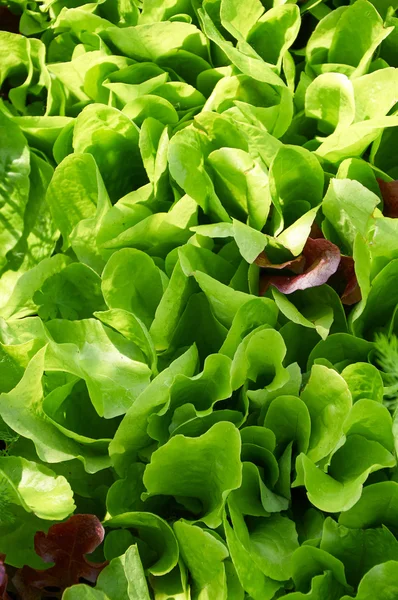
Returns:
(198, 300)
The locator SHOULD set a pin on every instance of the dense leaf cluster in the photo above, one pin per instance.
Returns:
(198, 300)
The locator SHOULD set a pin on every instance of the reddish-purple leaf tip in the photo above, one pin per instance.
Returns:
(66, 545)
(389, 191)
(322, 259)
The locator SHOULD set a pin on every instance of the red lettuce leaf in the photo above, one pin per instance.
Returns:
(345, 282)
(316, 231)
(389, 191)
(3, 579)
(296, 264)
(66, 545)
(322, 259)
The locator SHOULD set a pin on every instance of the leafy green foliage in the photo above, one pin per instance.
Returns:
(198, 299)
